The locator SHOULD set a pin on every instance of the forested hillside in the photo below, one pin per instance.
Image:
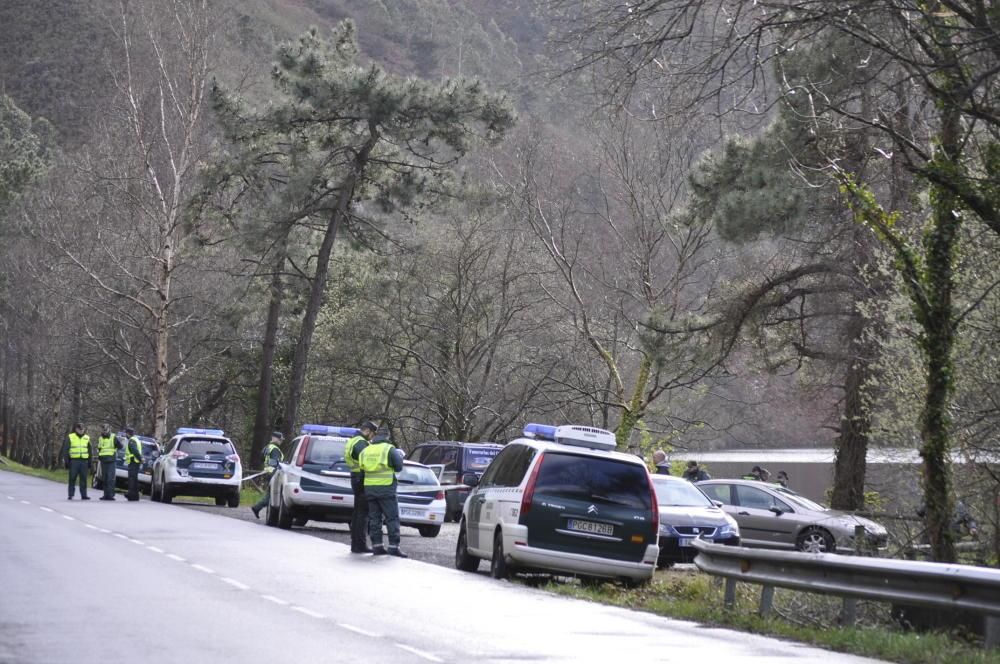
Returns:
(694, 225)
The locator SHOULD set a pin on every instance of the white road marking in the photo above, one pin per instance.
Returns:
(358, 630)
(419, 653)
(91, 526)
(305, 611)
(202, 568)
(120, 536)
(10, 497)
(105, 531)
(25, 502)
(272, 598)
(135, 541)
(174, 556)
(46, 509)
(68, 517)
(154, 549)
(235, 584)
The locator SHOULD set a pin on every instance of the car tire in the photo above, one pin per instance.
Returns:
(499, 569)
(815, 540)
(284, 515)
(429, 531)
(271, 515)
(299, 521)
(664, 564)
(220, 501)
(233, 500)
(166, 493)
(635, 583)
(155, 492)
(464, 560)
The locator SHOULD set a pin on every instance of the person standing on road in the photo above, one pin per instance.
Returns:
(133, 459)
(661, 463)
(106, 446)
(272, 458)
(359, 515)
(380, 461)
(76, 455)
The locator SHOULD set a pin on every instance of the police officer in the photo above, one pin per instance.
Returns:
(133, 459)
(380, 461)
(359, 515)
(106, 445)
(272, 457)
(76, 455)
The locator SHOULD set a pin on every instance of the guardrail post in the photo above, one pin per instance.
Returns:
(730, 596)
(992, 632)
(766, 600)
(849, 612)
(860, 541)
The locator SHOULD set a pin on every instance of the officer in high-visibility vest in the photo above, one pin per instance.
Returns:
(380, 462)
(106, 446)
(133, 459)
(359, 515)
(272, 457)
(76, 454)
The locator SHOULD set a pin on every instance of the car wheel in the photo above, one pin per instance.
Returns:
(220, 501)
(815, 540)
(664, 564)
(284, 515)
(499, 569)
(166, 493)
(96, 482)
(271, 515)
(464, 560)
(429, 531)
(234, 499)
(299, 521)
(154, 491)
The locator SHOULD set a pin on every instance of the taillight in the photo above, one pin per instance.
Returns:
(439, 495)
(656, 508)
(529, 490)
(300, 460)
(177, 454)
(235, 458)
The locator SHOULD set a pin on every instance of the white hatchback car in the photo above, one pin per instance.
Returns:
(198, 462)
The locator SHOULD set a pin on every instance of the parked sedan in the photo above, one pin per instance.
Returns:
(771, 516)
(687, 514)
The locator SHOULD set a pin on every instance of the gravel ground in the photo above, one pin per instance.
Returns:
(438, 550)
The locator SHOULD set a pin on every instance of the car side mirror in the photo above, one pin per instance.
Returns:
(470, 479)
(777, 510)
(718, 503)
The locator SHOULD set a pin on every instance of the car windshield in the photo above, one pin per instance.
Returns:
(148, 448)
(670, 493)
(326, 451)
(416, 475)
(594, 479)
(801, 501)
(478, 458)
(197, 446)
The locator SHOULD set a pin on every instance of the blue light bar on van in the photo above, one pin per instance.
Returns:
(540, 431)
(324, 430)
(202, 432)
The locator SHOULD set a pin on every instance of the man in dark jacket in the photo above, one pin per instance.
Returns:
(359, 514)
(694, 473)
(380, 462)
(107, 445)
(76, 455)
(133, 459)
(272, 458)
(661, 463)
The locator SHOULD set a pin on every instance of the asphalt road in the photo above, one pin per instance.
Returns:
(94, 582)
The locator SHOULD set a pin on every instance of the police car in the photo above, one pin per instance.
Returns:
(316, 485)
(198, 462)
(560, 499)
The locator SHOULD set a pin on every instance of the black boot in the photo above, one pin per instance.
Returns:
(394, 551)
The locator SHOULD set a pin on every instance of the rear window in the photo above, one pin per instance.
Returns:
(594, 479)
(416, 475)
(326, 451)
(478, 458)
(148, 448)
(200, 446)
(679, 494)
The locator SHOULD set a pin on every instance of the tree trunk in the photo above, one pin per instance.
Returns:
(5, 404)
(161, 379)
(852, 446)
(300, 360)
(262, 422)
(636, 406)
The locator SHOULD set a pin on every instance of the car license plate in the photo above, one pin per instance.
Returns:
(205, 466)
(685, 541)
(405, 512)
(591, 527)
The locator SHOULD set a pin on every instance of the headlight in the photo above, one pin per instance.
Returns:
(727, 531)
(668, 531)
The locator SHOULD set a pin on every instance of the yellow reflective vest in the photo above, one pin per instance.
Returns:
(375, 464)
(133, 458)
(352, 463)
(106, 446)
(79, 446)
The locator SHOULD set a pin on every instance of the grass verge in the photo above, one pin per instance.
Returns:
(693, 596)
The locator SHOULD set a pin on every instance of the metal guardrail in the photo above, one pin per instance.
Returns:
(918, 583)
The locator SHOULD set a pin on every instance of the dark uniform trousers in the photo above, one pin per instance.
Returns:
(359, 515)
(133, 482)
(78, 469)
(108, 476)
(382, 504)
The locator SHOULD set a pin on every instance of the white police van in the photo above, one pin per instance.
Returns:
(561, 499)
(198, 462)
